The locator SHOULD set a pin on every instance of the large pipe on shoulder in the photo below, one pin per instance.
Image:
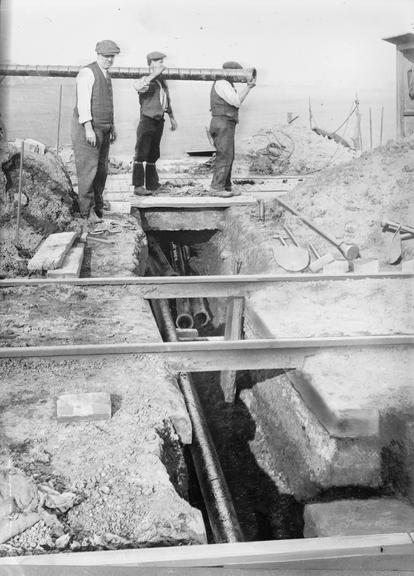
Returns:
(205, 74)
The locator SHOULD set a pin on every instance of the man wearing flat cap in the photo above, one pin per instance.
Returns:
(93, 130)
(224, 105)
(154, 99)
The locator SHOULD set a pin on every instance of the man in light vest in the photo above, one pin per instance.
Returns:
(93, 130)
(224, 105)
(154, 99)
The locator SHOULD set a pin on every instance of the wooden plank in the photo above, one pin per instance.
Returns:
(159, 287)
(182, 202)
(52, 251)
(72, 264)
(232, 331)
(240, 554)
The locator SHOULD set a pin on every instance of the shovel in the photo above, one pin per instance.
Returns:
(290, 258)
(320, 261)
(395, 249)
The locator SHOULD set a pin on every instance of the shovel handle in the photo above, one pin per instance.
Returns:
(349, 251)
(290, 234)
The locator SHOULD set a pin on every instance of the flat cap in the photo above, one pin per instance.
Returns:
(232, 65)
(107, 47)
(155, 56)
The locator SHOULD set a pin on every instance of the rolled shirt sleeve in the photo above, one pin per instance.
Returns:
(141, 85)
(84, 83)
(226, 91)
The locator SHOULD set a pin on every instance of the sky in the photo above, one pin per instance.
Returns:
(297, 45)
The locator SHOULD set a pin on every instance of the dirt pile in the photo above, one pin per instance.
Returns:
(48, 204)
(289, 149)
(350, 201)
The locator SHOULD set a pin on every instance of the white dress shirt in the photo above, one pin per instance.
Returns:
(141, 86)
(226, 91)
(84, 83)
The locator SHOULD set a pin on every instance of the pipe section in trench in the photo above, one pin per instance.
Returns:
(219, 505)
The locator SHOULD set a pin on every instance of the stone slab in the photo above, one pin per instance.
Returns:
(72, 264)
(348, 517)
(52, 252)
(83, 406)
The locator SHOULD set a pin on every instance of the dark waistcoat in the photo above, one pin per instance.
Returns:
(220, 107)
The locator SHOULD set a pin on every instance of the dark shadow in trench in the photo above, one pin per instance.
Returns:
(264, 513)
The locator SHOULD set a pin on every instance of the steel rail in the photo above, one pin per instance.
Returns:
(213, 286)
(219, 505)
(187, 348)
(205, 74)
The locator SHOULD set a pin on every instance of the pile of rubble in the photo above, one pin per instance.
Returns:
(291, 149)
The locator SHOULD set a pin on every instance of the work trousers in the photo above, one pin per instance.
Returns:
(91, 166)
(222, 129)
(147, 149)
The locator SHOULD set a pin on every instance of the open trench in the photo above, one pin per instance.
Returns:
(263, 510)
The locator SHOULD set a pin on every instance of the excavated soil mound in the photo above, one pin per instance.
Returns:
(48, 203)
(351, 200)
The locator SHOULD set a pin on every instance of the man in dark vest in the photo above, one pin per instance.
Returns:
(93, 130)
(154, 99)
(224, 105)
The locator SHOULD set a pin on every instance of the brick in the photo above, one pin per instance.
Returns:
(83, 406)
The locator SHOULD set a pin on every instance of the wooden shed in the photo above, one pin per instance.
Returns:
(405, 82)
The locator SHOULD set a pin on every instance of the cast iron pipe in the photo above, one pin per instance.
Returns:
(160, 258)
(208, 74)
(220, 509)
(349, 251)
(184, 316)
(199, 311)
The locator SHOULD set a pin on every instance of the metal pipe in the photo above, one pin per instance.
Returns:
(220, 510)
(349, 251)
(160, 258)
(184, 316)
(199, 311)
(204, 74)
(19, 195)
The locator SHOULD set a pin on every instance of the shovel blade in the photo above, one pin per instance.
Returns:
(291, 258)
(394, 251)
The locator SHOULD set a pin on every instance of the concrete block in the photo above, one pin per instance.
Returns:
(347, 517)
(336, 267)
(83, 406)
(407, 266)
(340, 423)
(366, 266)
(188, 219)
(120, 207)
(72, 264)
